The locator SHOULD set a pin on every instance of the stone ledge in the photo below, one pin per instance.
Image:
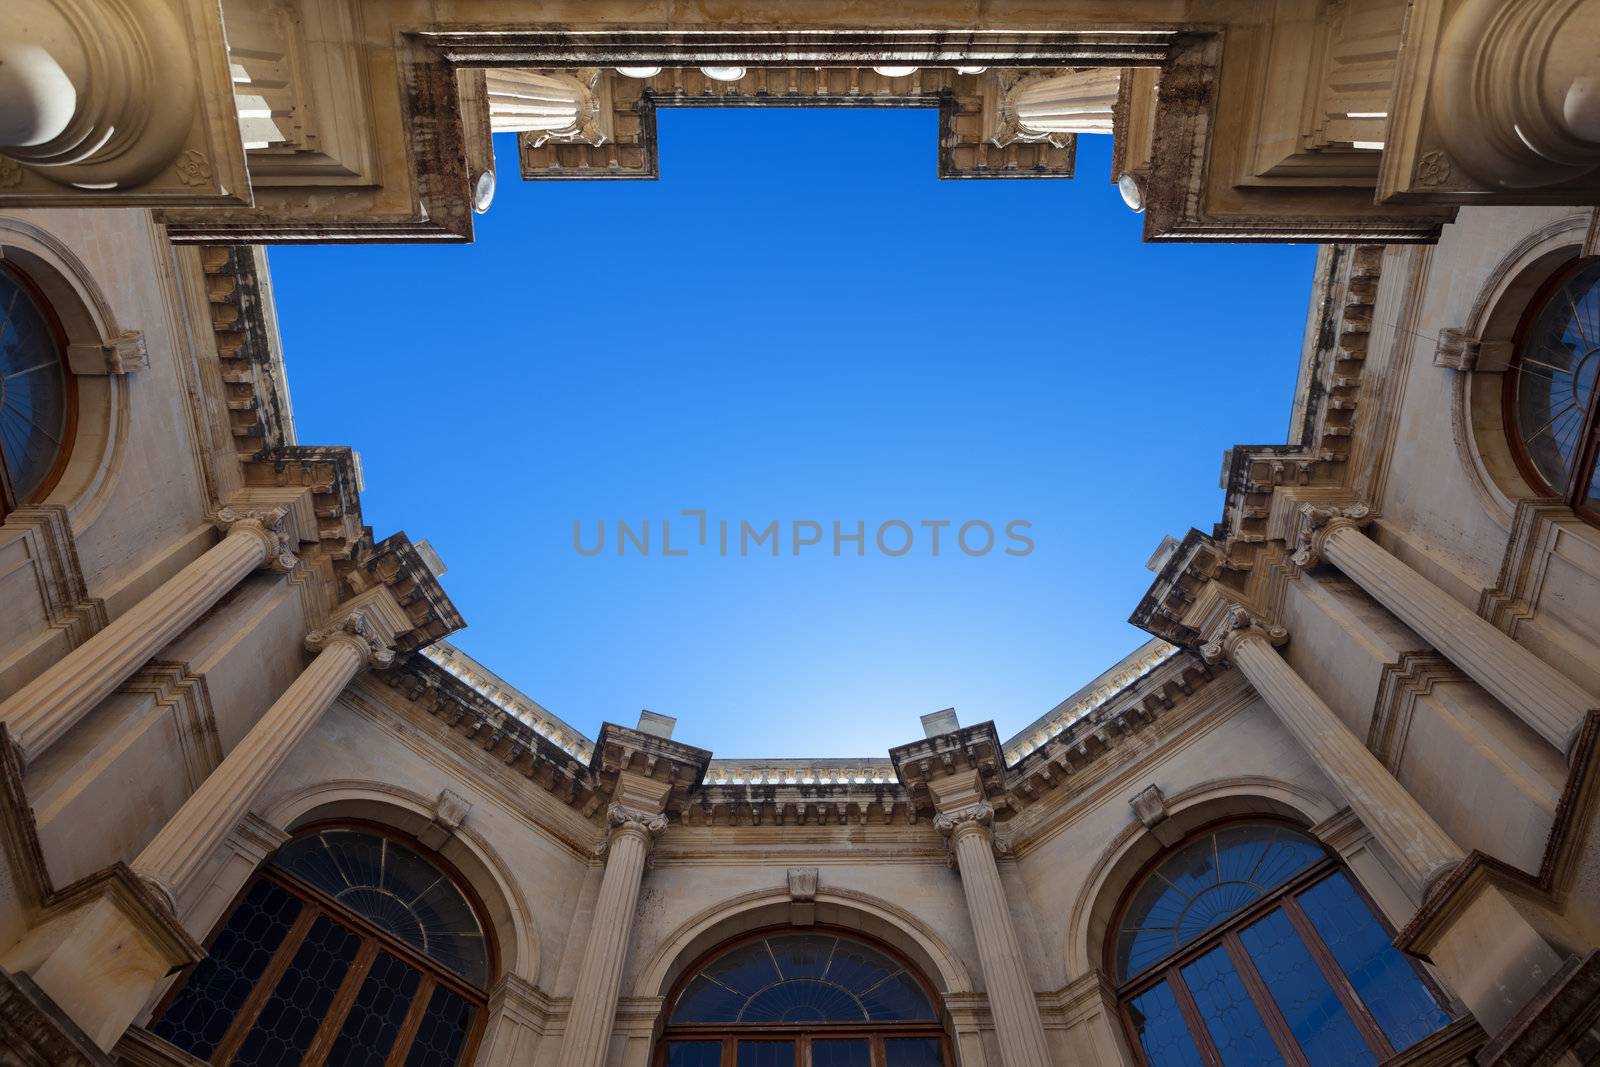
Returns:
(36, 1033)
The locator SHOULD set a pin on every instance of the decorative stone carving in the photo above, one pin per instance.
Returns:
(358, 630)
(268, 524)
(122, 353)
(623, 819)
(1234, 626)
(1315, 522)
(1150, 806)
(802, 895)
(449, 812)
(954, 823)
(1461, 350)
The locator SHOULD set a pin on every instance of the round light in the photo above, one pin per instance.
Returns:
(723, 74)
(971, 70)
(895, 72)
(1132, 192)
(483, 191)
(638, 72)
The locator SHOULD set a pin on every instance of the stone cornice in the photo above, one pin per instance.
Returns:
(259, 417)
(971, 749)
(396, 563)
(676, 768)
(332, 475)
(766, 804)
(482, 722)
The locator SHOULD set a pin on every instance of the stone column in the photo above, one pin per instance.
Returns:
(88, 95)
(1080, 101)
(193, 835)
(1408, 833)
(594, 1000)
(1005, 977)
(39, 713)
(1517, 93)
(1537, 693)
(99, 958)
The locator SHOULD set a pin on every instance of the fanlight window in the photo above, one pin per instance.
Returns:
(36, 395)
(349, 947)
(803, 999)
(1550, 389)
(1248, 945)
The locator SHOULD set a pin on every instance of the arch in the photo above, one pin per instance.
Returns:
(1477, 411)
(874, 917)
(515, 936)
(1122, 860)
(99, 441)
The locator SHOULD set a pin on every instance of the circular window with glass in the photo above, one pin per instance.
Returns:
(36, 394)
(1550, 396)
(802, 998)
(349, 947)
(1248, 945)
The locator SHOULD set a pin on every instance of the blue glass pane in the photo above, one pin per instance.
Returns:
(198, 1017)
(1202, 884)
(443, 1034)
(912, 1051)
(804, 1001)
(33, 390)
(841, 1052)
(766, 1054)
(1230, 1015)
(802, 955)
(897, 998)
(1162, 1033)
(296, 1006)
(704, 1001)
(1315, 1015)
(802, 978)
(393, 887)
(380, 1007)
(1382, 978)
(694, 1053)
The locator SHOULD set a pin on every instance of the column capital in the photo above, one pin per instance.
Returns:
(953, 824)
(622, 819)
(1315, 523)
(357, 629)
(1236, 624)
(270, 524)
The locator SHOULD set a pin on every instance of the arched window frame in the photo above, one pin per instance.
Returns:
(1574, 493)
(9, 500)
(1167, 969)
(730, 1034)
(374, 939)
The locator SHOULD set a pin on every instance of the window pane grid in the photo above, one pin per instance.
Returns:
(1210, 1003)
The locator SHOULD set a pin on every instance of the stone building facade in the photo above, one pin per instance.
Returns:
(1339, 809)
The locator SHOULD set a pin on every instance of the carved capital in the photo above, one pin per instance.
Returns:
(356, 630)
(623, 819)
(1237, 624)
(268, 524)
(974, 816)
(1314, 523)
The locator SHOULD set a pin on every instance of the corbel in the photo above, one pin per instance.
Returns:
(121, 353)
(1461, 350)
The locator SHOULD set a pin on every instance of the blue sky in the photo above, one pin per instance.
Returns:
(797, 323)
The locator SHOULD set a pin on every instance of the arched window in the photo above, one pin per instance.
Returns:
(812, 997)
(36, 394)
(1247, 945)
(349, 947)
(1552, 405)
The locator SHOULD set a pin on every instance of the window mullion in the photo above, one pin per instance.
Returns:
(1336, 978)
(1266, 1004)
(412, 1023)
(251, 1009)
(1192, 1016)
(343, 1000)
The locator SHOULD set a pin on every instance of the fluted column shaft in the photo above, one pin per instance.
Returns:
(47, 707)
(594, 1001)
(1537, 693)
(1408, 833)
(193, 834)
(1016, 1012)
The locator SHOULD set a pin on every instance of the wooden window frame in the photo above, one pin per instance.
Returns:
(1285, 897)
(69, 427)
(1588, 454)
(802, 1034)
(374, 939)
